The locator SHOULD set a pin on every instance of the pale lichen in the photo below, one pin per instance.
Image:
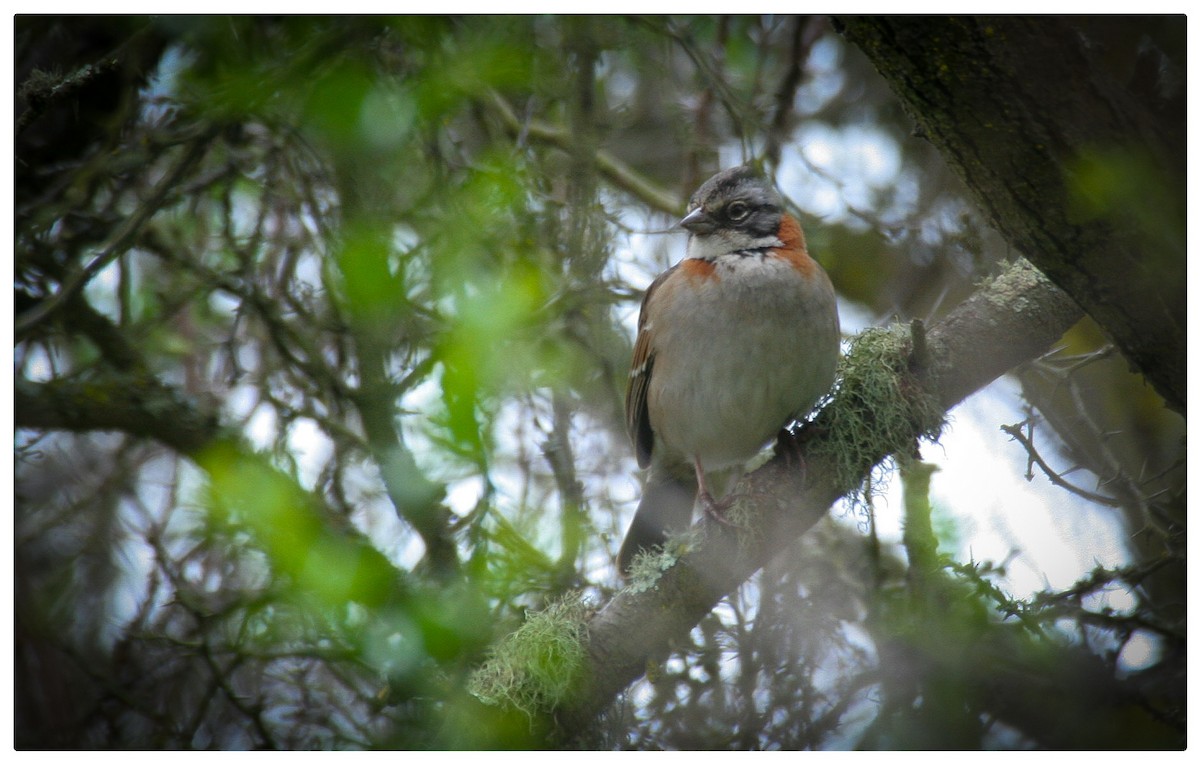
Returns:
(649, 564)
(879, 407)
(541, 664)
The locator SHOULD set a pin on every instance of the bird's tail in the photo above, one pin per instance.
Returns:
(665, 508)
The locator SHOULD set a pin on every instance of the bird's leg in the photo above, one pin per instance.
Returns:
(713, 508)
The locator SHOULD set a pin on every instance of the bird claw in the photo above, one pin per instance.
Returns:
(715, 509)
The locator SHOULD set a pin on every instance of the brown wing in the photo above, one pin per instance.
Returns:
(637, 418)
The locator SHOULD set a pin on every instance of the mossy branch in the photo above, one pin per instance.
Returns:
(1012, 319)
(541, 665)
(134, 403)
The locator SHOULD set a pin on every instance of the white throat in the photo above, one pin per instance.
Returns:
(726, 242)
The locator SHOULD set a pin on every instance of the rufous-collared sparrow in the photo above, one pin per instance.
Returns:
(733, 342)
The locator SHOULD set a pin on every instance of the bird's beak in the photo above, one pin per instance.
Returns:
(696, 221)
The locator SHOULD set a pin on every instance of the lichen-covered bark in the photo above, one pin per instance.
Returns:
(1077, 158)
(135, 404)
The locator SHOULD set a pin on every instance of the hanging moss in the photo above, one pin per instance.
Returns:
(877, 406)
(541, 664)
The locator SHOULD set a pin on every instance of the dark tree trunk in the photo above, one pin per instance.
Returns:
(1071, 135)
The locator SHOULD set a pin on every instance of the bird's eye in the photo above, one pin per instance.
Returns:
(737, 211)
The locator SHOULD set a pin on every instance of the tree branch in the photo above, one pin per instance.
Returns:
(121, 241)
(1015, 431)
(131, 403)
(1013, 319)
(614, 170)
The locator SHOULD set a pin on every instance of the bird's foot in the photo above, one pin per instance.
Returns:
(714, 508)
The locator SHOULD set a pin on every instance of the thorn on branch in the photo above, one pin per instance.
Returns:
(919, 359)
(1015, 431)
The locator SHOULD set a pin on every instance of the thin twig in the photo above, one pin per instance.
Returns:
(123, 240)
(1014, 431)
(614, 170)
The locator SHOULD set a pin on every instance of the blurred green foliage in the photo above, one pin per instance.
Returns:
(244, 491)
